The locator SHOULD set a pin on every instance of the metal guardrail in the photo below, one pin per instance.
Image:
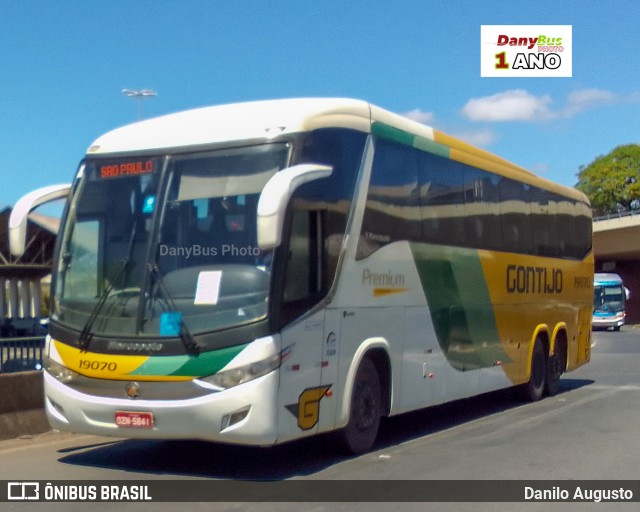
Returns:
(21, 354)
(619, 215)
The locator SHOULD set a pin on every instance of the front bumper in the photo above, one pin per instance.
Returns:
(604, 322)
(244, 414)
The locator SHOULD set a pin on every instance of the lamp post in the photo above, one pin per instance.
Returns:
(138, 96)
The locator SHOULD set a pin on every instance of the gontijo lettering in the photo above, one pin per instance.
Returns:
(521, 279)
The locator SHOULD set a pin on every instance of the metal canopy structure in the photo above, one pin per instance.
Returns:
(38, 256)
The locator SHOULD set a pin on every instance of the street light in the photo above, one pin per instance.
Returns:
(138, 96)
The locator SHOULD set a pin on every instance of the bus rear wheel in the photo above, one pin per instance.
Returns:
(555, 367)
(366, 409)
(534, 389)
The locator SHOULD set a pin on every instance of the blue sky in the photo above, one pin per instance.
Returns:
(63, 65)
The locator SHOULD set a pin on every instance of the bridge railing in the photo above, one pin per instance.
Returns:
(21, 354)
(619, 215)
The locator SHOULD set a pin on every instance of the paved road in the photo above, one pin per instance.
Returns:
(589, 431)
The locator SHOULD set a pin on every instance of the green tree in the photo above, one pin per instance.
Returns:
(612, 182)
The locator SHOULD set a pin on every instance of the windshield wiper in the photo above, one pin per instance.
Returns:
(84, 340)
(189, 342)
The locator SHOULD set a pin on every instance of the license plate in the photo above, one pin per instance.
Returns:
(134, 419)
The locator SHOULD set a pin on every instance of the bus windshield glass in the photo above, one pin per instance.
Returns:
(609, 299)
(153, 244)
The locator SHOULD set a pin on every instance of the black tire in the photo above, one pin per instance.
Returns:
(366, 409)
(534, 389)
(554, 372)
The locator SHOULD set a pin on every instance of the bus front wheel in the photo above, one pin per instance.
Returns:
(366, 409)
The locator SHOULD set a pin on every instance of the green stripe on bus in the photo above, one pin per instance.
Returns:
(409, 139)
(461, 310)
(431, 146)
(205, 363)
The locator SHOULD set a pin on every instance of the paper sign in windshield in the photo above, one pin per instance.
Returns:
(208, 288)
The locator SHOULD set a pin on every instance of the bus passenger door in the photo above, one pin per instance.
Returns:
(302, 319)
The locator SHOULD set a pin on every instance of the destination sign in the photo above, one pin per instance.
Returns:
(127, 168)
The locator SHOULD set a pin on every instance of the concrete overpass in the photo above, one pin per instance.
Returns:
(616, 246)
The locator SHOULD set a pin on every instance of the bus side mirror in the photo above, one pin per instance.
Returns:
(20, 213)
(275, 197)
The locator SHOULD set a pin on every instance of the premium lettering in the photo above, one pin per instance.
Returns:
(382, 279)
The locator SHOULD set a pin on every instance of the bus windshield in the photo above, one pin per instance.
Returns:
(609, 299)
(153, 243)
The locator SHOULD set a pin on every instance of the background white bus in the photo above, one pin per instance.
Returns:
(260, 272)
(609, 301)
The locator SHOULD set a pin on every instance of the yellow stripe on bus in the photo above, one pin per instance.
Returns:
(383, 292)
(107, 366)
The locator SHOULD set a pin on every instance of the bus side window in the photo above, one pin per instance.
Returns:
(392, 209)
(442, 198)
(515, 216)
(305, 274)
(296, 285)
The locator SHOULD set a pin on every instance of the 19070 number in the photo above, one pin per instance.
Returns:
(85, 364)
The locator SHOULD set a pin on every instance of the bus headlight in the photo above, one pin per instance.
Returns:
(57, 371)
(242, 374)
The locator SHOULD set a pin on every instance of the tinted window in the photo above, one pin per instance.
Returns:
(482, 209)
(392, 211)
(452, 203)
(442, 194)
(317, 219)
(515, 212)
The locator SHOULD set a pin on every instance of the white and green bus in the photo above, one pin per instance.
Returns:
(260, 272)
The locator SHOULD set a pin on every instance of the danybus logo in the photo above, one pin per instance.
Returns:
(509, 51)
